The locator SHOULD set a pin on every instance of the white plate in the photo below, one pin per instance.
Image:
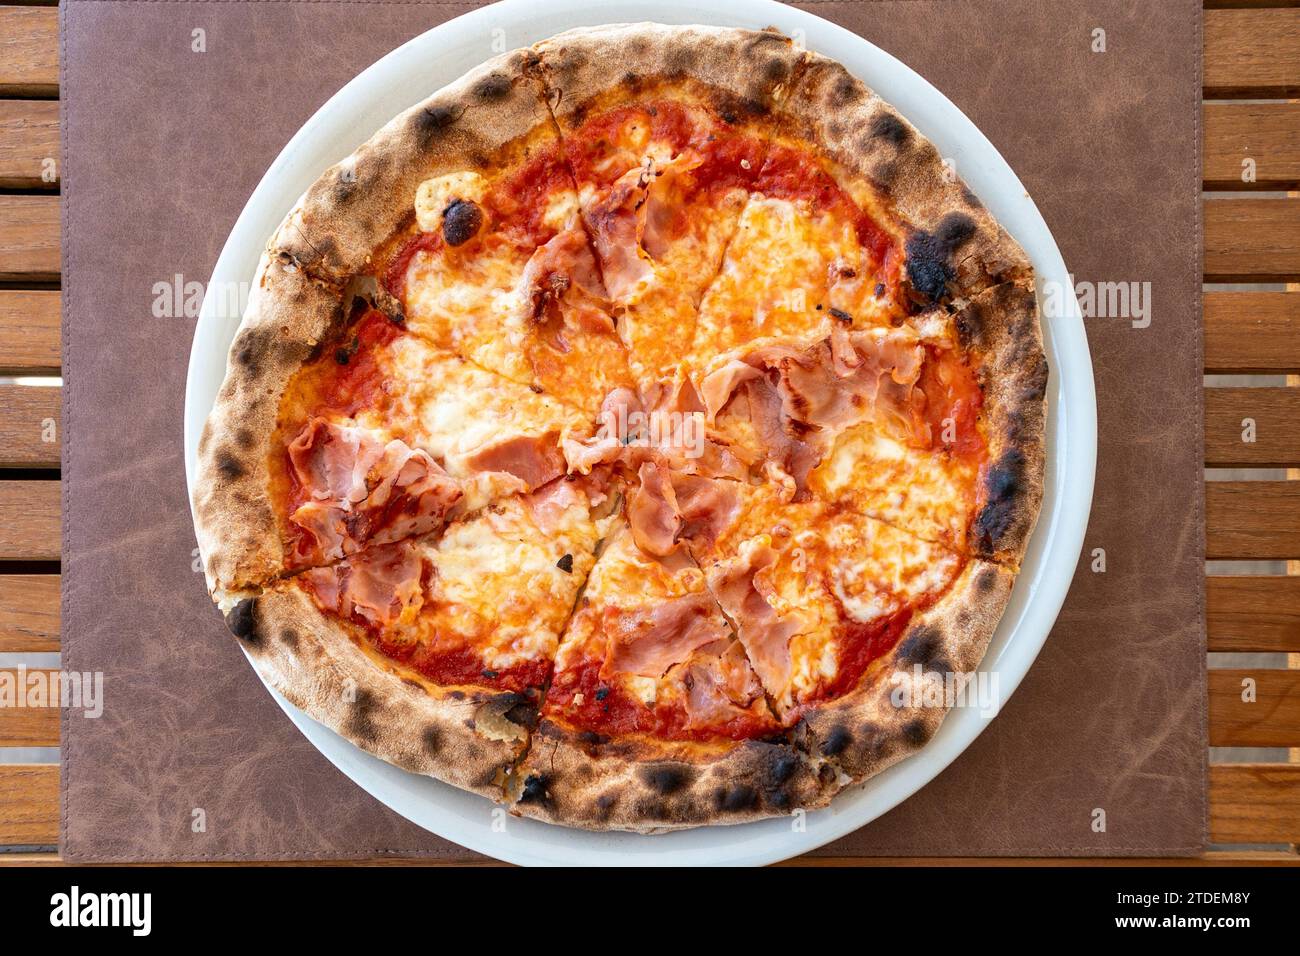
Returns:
(412, 72)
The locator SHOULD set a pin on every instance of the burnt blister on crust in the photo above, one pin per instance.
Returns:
(666, 779)
(931, 259)
(242, 620)
(1003, 489)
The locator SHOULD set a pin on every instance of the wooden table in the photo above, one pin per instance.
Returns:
(1252, 52)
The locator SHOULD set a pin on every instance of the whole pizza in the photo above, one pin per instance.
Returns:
(630, 433)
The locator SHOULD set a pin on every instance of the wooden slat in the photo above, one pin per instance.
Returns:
(1271, 720)
(1275, 413)
(1250, 332)
(1252, 519)
(29, 137)
(29, 237)
(1252, 54)
(29, 804)
(1252, 240)
(1246, 613)
(29, 331)
(1268, 133)
(1255, 803)
(29, 520)
(29, 51)
(29, 612)
(29, 426)
(30, 726)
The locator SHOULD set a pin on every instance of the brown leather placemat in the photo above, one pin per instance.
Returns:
(162, 147)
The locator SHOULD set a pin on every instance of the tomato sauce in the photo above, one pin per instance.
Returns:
(461, 665)
(953, 400)
(607, 709)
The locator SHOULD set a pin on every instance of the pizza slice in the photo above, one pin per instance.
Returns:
(664, 158)
(816, 592)
(464, 215)
(812, 253)
(937, 430)
(432, 652)
(344, 430)
(654, 717)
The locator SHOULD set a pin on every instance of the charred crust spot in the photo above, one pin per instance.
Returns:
(242, 620)
(431, 739)
(841, 316)
(249, 348)
(736, 798)
(782, 768)
(289, 638)
(970, 198)
(606, 800)
(915, 732)
(955, 230)
(534, 790)
(930, 257)
(775, 71)
(432, 120)
(244, 438)
(360, 722)
(1002, 493)
(229, 467)
(843, 92)
(923, 646)
(456, 694)
(666, 779)
(461, 221)
(986, 581)
(591, 738)
(836, 741)
(892, 129)
(493, 87)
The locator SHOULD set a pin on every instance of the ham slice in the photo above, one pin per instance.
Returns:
(362, 490)
(799, 399)
(534, 459)
(652, 512)
(669, 506)
(377, 585)
(719, 684)
(742, 586)
(648, 641)
(617, 223)
(562, 293)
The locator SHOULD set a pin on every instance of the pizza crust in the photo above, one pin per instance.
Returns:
(1000, 327)
(741, 72)
(288, 315)
(467, 737)
(582, 779)
(863, 732)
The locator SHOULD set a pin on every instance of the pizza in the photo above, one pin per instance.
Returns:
(615, 432)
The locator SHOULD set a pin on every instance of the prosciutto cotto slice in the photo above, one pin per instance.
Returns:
(361, 490)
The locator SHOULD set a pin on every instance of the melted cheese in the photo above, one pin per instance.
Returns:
(498, 584)
(924, 492)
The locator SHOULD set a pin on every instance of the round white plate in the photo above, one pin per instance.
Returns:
(413, 71)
